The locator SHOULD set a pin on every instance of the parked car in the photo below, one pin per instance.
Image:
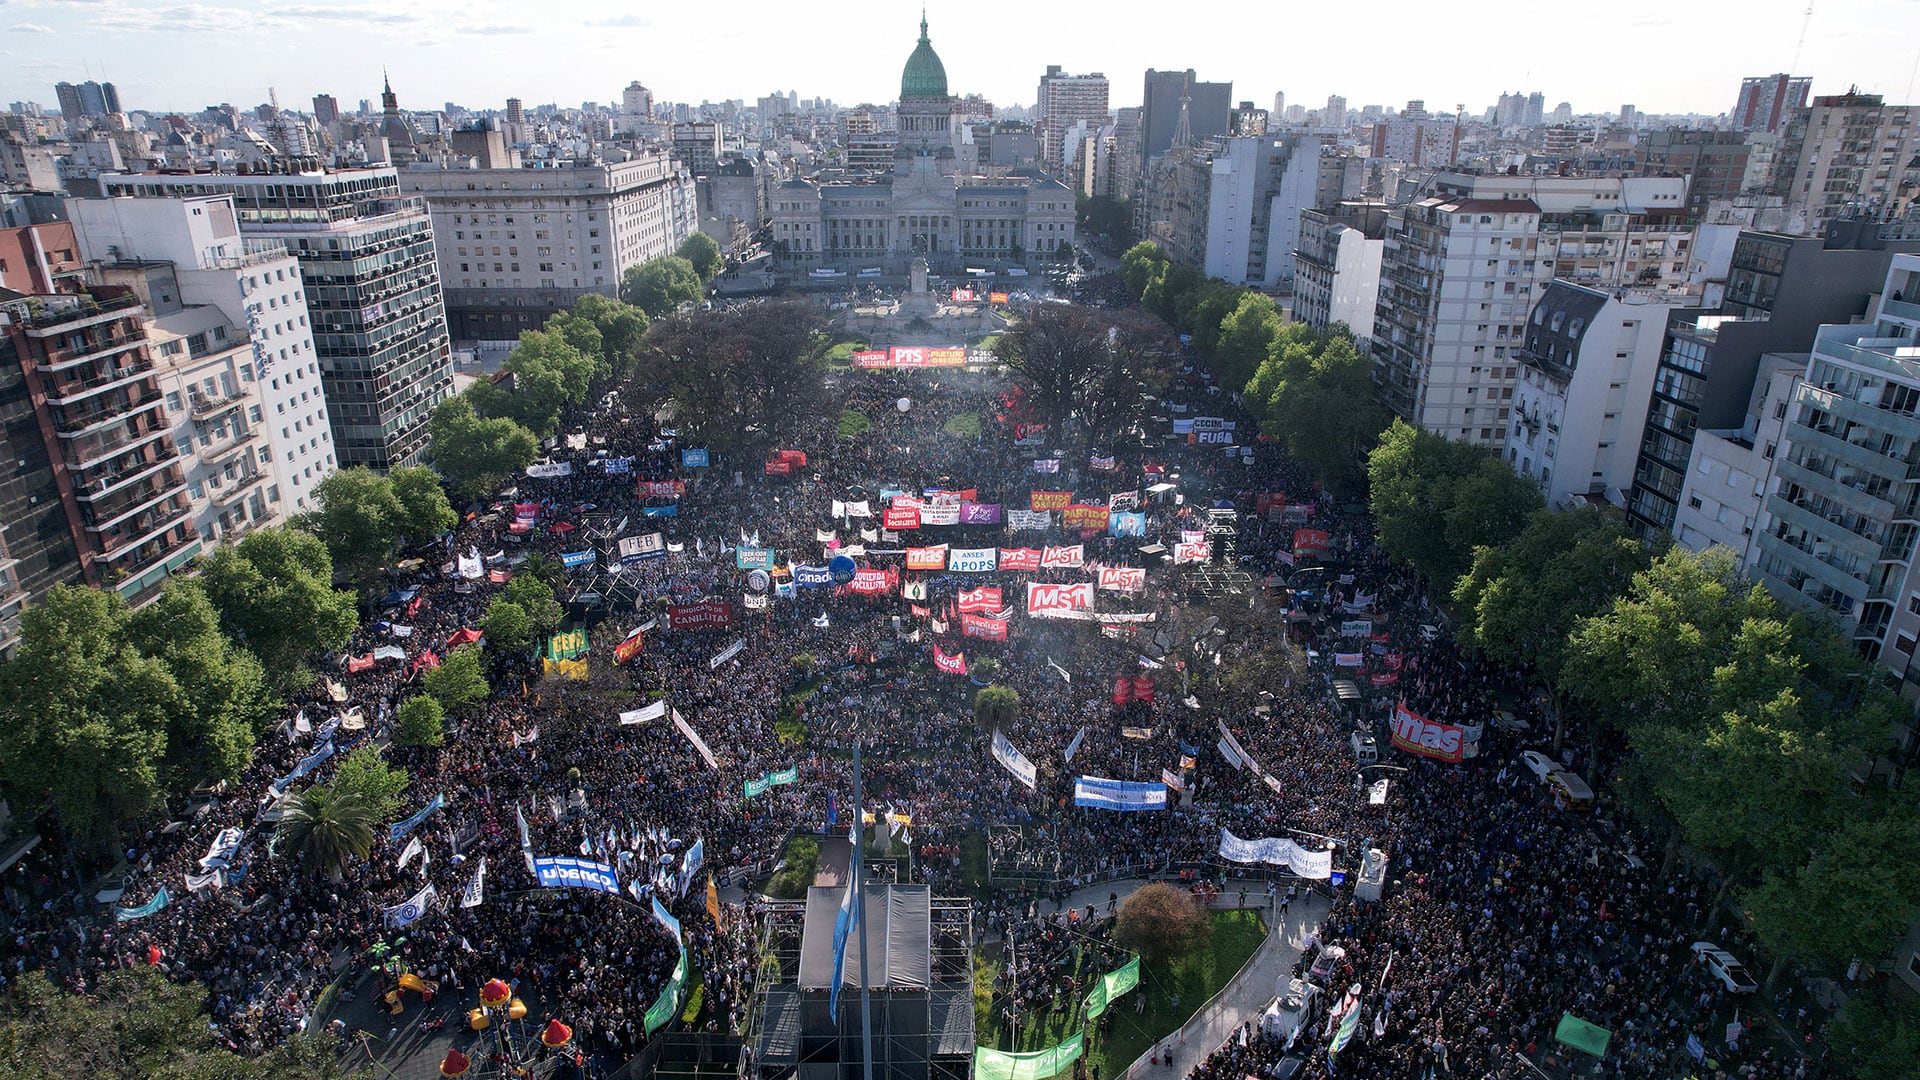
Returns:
(1325, 964)
(1721, 965)
(1539, 764)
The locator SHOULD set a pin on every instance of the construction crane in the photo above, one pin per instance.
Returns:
(1805, 21)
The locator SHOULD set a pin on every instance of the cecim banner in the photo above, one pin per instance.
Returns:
(1427, 738)
(1056, 601)
(1020, 558)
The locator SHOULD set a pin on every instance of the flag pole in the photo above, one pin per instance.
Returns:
(860, 916)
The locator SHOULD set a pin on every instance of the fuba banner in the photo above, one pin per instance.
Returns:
(1277, 851)
(1121, 795)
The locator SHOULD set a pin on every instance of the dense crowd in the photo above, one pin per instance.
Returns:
(1504, 910)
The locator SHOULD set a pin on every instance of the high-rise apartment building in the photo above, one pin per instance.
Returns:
(232, 342)
(1334, 116)
(515, 113)
(1463, 269)
(37, 548)
(1207, 106)
(1766, 101)
(518, 245)
(1336, 266)
(1066, 100)
(1258, 187)
(87, 99)
(1848, 155)
(1717, 164)
(1431, 142)
(372, 290)
(326, 109)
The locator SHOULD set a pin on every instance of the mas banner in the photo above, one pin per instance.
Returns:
(1056, 601)
(1015, 762)
(1277, 851)
(973, 560)
(569, 873)
(1122, 795)
(1051, 500)
(927, 558)
(1427, 738)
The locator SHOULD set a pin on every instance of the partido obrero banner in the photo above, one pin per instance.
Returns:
(1122, 795)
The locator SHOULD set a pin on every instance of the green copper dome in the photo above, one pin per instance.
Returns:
(925, 76)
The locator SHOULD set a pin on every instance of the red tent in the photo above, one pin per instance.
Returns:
(462, 636)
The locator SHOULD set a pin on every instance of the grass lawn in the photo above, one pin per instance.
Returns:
(840, 354)
(1124, 1033)
(966, 425)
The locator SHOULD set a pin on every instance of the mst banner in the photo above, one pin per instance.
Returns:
(1059, 601)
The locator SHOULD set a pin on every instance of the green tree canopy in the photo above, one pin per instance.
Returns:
(507, 627)
(1139, 265)
(365, 774)
(623, 330)
(1434, 500)
(659, 287)
(1083, 371)
(478, 456)
(536, 599)
(1247, 336)
(1314, 392)
(996, 707)
(86, 716)
(1858, 893)
(359, 518)
(549, 373)
(274, 591)
(459, 681)
(224, 703)
(324, 829)
(420, 721)
(742, 381)
(1520, 600)
(702, 252)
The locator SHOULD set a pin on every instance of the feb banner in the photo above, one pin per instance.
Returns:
(639, 549)
(1063, 558)
(1014, 761)
(973, 560)
(569, 873)
(1427, 738)
(983, 600)
(1051, 500)
(1122, 578)
(979, 626)
(1277, 851)
(704, 615)
(1048, 601)
(974, 513)
(1122, 795)
(927, 558)
(1020, 558)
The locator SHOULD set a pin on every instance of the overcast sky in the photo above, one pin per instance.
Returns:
(1659, 55)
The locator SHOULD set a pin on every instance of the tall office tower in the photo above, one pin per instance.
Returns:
(326, 109)
(1766, 101)
(86, 99)
(1335, 116)
(1279, 104)
(372, 287)
(636, 100)
(1066, 100)
(1536, 109)
(1207, 107)
(515, 114)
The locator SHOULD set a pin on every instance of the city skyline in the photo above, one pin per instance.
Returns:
(182, 57)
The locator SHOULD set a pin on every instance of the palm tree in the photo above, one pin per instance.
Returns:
(996, 707)
(323, 829)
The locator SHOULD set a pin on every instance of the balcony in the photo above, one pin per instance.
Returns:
(140, 532)
(203, 408)
(1813, 566)
(1827, 531)
(90, 313)
(89, 454)
(1901, 309)
(61, 359)
(237, 488)
(78, 389)
(105, 482)
(1857, 499)
(105, 514)
(82, 423)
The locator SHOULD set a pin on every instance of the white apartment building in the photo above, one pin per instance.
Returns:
(517, 245)
(1728, 471)
(1064, 101)
(1336, 268)
(1258, 187)
(1463, 268)
(1587, 366)
(1848, 153)
(232, 343)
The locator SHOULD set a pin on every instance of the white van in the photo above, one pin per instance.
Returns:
(1366, 751)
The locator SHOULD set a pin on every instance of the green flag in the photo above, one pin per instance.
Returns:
(668, 1003)
(1581, 1035)
(991, 1064)
(1112, 985)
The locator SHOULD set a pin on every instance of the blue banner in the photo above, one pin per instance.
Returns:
(401, 829)
(696, 858)
(309, 763)
(1122, 795)
(619, 466)
(693, 459)
(812, 577)
(563, 872)
(1127, 523)
(665, 918)
(753, 558)
(669, 510)
(128, 914)
(578, 558)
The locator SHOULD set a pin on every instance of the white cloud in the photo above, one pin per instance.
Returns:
(30, 28)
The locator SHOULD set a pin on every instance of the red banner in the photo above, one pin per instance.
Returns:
(986, 598)
(1311, 540)
(1084, 517)
(1063, 558)
(871, 358)
(900, 517)
(462, 636)
(979, 626)
(1122, 688)
(1122, 578)
(869, 582)
(1384, 678)
(926, 558)
(357, 664)
(1052, 500)
(778, 468)
(628, 649)
(1143, 689)
(707, 613)
(795, 458)
(1428, 738)
(952, 665)
(1019, 558)
(1048, 600)
(996, 298)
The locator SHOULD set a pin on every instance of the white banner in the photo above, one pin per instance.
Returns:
(1029, 520)
(859, 509)
(1055, 601)
(1063, 558)
(726, 654)
(476, 890)
(973, 560)
(1123, 578)
(1123, 795)
(1074, 746)
(693, 737)
(641, 715)
(564, 468)
(1277, 851)
(1016, 762)
(940, 515)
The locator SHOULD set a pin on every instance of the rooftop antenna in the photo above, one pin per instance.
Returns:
(1805, 21)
